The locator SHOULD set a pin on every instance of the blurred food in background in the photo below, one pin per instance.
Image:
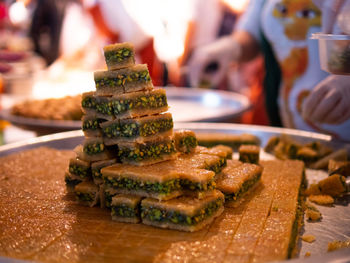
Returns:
(66, 108)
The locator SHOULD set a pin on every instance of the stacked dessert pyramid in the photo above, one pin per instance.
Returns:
(133, 163)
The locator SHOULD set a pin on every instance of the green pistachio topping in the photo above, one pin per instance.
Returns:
(79, 170)
(85, 196)
(189, 185)
(108, 198)
(94, 148)
(89, 102)
(141, 102)
(154, 187)
(188, 143)
(123, 79)
(119, 55)
(245, 187)
(129, 130)
(91, 124)
(147, 151)
(125, 211)
(105, 108)
(160, 215)
(218, 166)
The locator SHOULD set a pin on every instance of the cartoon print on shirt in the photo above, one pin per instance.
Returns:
(296, 17)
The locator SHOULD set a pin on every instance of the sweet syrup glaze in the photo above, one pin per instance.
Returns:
(40, 222)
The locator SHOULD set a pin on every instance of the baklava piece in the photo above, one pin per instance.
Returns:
(148, 181)
(71, 181)
(140, 103)
(93, 150)
(91, 125)
(96, 169)
(232, 140)
(237, 179)
(148, 152)
(182, 213)
(339, 167)
(271, 144)
(89, 103)
(185, 141)
(222, 151)
(121, 81)
(307, 155)
(126, 208)
(334, 185)
(120, 55)
(87, 193)
(249, 154)
(79, 168)
(140, 130)
(202, 161)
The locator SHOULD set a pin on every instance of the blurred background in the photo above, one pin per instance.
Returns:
(50, 48)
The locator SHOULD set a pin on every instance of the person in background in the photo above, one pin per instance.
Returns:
(298, 93)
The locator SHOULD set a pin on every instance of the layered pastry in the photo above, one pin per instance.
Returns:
(126, 208)
(91, 125)
(148, 152)
(202, 161)
(93, 150)
(185, 141)
(249, 154)
(148, 181)
(79, 168)
(140, 103)
(87, 193)
(232, 140)
(131, 79)
(101, 107)
(96, 169)
(222, 151)
(237, 179)
(71, 181)
(182, 213)
(140, 130)
(119, 55)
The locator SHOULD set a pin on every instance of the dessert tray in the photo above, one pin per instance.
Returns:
(335, 224)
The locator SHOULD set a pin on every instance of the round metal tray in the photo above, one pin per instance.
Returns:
(335, 224)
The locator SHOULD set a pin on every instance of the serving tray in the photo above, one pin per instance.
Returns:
(335, 224)
(186, 104)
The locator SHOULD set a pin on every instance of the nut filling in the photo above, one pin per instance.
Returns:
(123, 79)
(135, 130)
(148, 151)
(94, 148)
(157, 214)
(125, 211)
(154, 187)
(245, 187)
(217, 167)
(91, 124)
(188, 143)
(89, 102)
(143, 102)
(117, 56)
(78, 170)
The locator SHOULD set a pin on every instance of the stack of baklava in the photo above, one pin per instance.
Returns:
(131, 161)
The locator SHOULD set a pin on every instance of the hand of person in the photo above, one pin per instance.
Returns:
(330, 11)
(210, 63)
(329, 101)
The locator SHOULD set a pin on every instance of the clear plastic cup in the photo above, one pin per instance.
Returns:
(334, 53)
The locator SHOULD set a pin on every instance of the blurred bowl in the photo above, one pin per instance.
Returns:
(334, 53)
